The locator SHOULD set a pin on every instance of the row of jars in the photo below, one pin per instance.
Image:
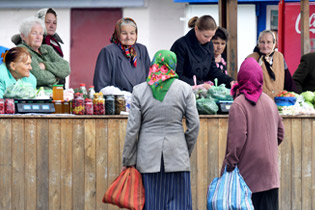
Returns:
(111, 105)
(7, 106)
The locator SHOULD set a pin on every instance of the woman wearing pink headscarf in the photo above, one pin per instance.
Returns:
(254, 133)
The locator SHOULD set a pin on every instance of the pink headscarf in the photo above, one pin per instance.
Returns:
(249, 81)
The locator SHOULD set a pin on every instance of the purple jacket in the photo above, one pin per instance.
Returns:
(254, 134)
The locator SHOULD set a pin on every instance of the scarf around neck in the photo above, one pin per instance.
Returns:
(249, 81)
(129, 51)
(162, 73)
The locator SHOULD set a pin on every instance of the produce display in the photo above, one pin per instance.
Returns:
(20, 90)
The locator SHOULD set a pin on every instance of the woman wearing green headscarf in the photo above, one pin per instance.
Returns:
(156, 142)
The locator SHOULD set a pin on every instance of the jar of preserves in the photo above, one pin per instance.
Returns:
(66, 107)
(88, 106)
(120, 104)
(83, 90)
(109, 104)
(99, 104)
(2, 111)
(79, 105)
(9, 106)
(57, 92)
(58, 106)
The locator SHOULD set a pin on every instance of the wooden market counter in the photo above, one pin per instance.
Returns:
(67, 162)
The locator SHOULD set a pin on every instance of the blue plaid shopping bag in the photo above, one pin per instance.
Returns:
(229, 192)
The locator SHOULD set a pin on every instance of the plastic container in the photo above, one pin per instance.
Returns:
(83, 90)
(57, 92)
(88, 106)
(91, 92)
(79, 105)
(2, 109)
(109, 105)
(9, 106)
(285, 101)
(99, 104)
(120, 104)
(58, 106)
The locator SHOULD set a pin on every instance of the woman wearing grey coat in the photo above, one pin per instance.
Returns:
(124, 63)
(156, 142)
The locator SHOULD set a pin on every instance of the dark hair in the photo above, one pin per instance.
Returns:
(50, 10)
(16, 54)
(221, 33)
(205, 22)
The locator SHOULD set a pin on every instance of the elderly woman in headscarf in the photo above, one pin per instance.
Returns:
(124, 63)
(255, 130)
(156, 142)
(47, 66)
(276, 75)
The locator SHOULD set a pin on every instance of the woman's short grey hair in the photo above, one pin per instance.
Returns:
(28, 23)
(128, 22)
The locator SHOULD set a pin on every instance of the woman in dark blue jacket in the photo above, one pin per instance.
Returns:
(195, 55)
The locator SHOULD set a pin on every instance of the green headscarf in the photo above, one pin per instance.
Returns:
(162, 73)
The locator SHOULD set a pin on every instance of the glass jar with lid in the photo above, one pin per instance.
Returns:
(120, 104)
(58, 106)
(88, 106)
(99, 104)
(110, 104)
(9, 106)
(79, 105)
(57, 92)
(2, 106)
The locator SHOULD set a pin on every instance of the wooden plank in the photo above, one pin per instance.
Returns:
(285, 168)
(30, 163)
(18, 164)
(306, 164)
(54, 164)
(101, 162)
(5, 163)
(223, 129)
(313, 164)
(305, 28)
(296, 164)
(66, 164)
(113, 153)
(42, 135)
(213, 150)
(202, 165)
(78, 198)
(90, 167)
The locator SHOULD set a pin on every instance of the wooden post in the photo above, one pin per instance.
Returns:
(305, 29)
(231, 25)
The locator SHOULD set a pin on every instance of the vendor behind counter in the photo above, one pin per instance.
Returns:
(16, 66)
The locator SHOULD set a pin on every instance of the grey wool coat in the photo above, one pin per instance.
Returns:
(113, 68)
(254, 134)
(155, 128)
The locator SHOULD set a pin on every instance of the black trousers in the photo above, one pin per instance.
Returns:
(266, 200)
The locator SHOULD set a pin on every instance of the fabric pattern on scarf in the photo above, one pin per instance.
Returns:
(129, 51)
(162, 73)
(50, 40)
(249, 81)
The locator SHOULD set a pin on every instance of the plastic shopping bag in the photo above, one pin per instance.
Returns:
(126, 191)
(229, 192)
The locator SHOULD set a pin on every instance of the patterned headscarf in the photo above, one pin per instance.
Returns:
(162, 73)
(129, 51)
(249, 81)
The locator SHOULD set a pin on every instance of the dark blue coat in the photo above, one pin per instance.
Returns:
(114, 69)
(196, 59)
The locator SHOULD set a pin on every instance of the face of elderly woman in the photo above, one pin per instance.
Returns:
(265, 44)
(51, 23)
(35, 37)
(128, 35)
(21, 68)
(204, 36)
(219, 45)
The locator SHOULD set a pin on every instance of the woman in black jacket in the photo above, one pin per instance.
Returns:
(195, 54)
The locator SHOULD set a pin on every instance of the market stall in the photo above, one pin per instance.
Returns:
(68, 161)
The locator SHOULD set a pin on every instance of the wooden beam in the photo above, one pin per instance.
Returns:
(222, 13)
(305, 29)
(231, 26)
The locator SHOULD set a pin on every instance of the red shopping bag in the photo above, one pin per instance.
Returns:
(126, 191)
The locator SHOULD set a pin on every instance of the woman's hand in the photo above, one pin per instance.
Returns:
(206, 85)
(42, 66)
(125, 167)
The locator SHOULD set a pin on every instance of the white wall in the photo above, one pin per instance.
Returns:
(159, 24)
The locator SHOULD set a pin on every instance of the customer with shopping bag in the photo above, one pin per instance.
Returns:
(255, 130)
(156, 142)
